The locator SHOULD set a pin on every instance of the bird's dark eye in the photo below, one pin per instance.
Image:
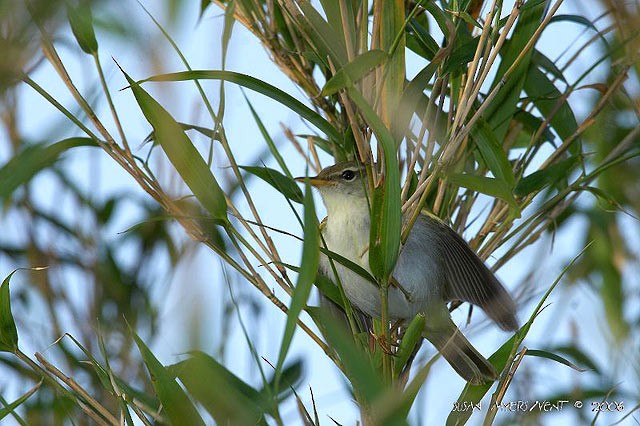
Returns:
(348, 175)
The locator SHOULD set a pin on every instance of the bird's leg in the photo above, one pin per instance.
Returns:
(394, 283)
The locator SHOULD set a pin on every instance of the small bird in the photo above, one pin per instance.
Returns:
(435, 265)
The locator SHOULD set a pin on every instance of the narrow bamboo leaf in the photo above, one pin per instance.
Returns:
(439, 16)
(578, 355)
(353, 71)
(291, 376)
(462, 53)
(540, 179)
(27, 163)
(335, 19)
(493, 153)
(554, 357)
(392, 40)
(548, 99)
(349, 264)
(182, 154)
(501, 110)
(325, 286)
(412, 336)
(613, 299)
(283, 184)
(384, 238)
(107, 377)
(204, 4)
(227, 29)
(489, 186)
(540, 60)
(308, 271)
(420, 41)
(413, 93)
(530, 125)
(8, 409)
(468, 19)
(176, 403)
(267, 138)
(328, 39)
(358, 367)
(578, 19)
(258, 86)
(186, 126)
(282, 28)
(227, 398)
(81, 23)
(8, 330)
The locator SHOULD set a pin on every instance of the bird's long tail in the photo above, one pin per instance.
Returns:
(456, 349)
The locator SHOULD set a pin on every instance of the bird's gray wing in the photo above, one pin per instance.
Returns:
(468, 278)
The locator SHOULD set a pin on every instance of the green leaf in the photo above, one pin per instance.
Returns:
(259, 86)
(327, 40)
(392, 36)
(306, 277)
(462, 53)
(270, 143)
(548, 99)
(578, 355)
(325, 285)
(34, 158)
(185, 126)
(226, 397)
(530, 125)
(291, 376)
(540, 179)
(493, 153)
(540, 60)
(182, 154)
(486, 185)
(554, 357)
(386, 216)
(501, 110)
(81, 23)
(420, 41)
(413, 93)
(578, 19)
(8, 330)
(353, 71)
(412, 336)
(283, 184)
(8, 409)
(176, 403)
(358, 367)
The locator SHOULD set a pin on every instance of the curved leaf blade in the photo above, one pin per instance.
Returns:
(489, 186)
(283, 184)
(8, 330)
(26, 164)
(353, 71)
(306, 277)
(227, 398)
(258, 86)
(176, 403)
(81, 23)
(181, 152)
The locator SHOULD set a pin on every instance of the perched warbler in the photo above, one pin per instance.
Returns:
(435, 265)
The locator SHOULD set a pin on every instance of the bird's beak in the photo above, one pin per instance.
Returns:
(313, 181)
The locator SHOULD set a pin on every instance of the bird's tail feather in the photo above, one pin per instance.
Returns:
(463, 357)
